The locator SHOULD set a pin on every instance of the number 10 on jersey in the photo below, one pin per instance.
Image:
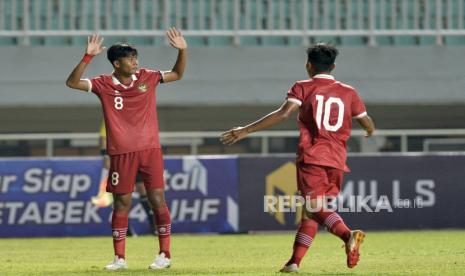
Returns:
(326, 106)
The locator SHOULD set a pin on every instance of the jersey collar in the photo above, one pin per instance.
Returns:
(117, 82)
(323, 76)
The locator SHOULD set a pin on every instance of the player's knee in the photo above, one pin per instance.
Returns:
(308, 215)
(158, 202)
(122, 202)
(121, 206)
(157, 198)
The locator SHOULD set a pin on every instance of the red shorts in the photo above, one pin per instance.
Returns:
(316, 181)
(124, 168)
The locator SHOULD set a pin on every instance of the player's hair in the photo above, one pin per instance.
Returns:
(322, 56)
(120, 50)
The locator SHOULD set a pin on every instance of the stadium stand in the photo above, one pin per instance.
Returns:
(236, 22)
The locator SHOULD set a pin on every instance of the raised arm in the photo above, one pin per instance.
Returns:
(238, 133)
(94, 47)
(367, 124)
(177, 41)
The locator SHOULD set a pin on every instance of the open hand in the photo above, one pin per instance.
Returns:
(176, 39)
(368, 132)
(94, 45)
(232, 136)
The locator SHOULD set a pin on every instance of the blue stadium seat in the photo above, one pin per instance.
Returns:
(384, 41)
(274, 41)
(7, 41)
(81, 41)
(250, 41)
(252, 24)
(272, 23)
(143, 41)
(353, 41)
(427, 41)
(454, 40)
(404, 40)
(219, 41)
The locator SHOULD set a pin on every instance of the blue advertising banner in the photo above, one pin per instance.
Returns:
(202, 194)
(381, 192)
(52, 197)
(49, 197)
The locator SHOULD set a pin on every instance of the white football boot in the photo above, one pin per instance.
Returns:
(117, 264)
(290, 268)
(160, 262)
(353, 247)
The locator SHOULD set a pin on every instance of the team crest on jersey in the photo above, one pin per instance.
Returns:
(143, 87)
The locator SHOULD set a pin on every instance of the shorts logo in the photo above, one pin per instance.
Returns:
(143, 87)
(162, 230)
(282, 181)
(115, 234)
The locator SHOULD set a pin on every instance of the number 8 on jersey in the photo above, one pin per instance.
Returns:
(119, 103)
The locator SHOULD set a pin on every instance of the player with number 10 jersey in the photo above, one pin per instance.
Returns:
(326, 108)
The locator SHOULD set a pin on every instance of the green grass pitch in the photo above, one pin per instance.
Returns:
(383, 253)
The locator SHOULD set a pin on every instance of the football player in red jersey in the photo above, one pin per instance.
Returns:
(326, 108)
(128, 101)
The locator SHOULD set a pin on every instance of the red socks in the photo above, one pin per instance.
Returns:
(163, 224)
(333, 223)
(303, 239)
(119, 227)
(307, 231)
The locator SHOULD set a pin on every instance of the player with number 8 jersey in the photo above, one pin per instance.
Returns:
(326, 109)
(128, 99)
(130, 111)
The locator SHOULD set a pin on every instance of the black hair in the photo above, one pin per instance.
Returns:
(322, 56)
(120, 50)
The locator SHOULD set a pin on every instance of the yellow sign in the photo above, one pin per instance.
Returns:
(283, 181)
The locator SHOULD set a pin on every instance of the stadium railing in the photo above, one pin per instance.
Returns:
(195, 140)
(444, 144)
(235, 22)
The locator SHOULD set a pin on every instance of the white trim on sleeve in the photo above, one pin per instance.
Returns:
(294, 100)
(90, 84)
(361, 115)
(162, 73)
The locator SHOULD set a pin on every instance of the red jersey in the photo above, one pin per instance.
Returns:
(130, 112)
(325, 119)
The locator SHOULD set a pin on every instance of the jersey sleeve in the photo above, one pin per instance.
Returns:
(358, 107)
(95, 84)
(154, 74)
(295, 94)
